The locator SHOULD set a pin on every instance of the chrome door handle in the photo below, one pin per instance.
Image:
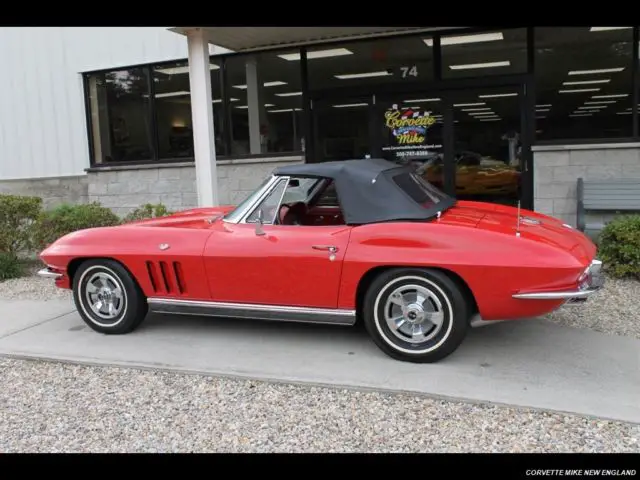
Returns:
(330, 248)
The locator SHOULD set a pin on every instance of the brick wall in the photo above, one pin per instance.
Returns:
(53, 191)
(556, 170)
(123, 189)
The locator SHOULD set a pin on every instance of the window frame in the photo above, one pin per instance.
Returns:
(307, 127)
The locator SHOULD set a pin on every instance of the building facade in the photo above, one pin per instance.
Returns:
(501, 115)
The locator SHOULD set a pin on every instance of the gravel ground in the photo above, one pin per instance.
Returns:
(614, 310)
(53, 407)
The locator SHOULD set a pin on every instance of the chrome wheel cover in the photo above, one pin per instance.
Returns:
(414, 313)
(105, 296)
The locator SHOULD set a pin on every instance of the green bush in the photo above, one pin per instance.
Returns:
(10, 266)
(18, 215)
(59, 221)
(619, 246)
(147, 211)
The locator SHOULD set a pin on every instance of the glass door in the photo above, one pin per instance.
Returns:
(342, 128)
(490, 151)
(409, 129)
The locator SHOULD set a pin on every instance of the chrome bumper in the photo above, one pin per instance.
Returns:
(48, 273)
(590, 282)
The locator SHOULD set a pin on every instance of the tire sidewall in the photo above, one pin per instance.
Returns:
(454, 306)
(80, 291)
(135, 308)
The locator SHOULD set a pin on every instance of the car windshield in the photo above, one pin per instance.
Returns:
(420, 191)
(247, 201)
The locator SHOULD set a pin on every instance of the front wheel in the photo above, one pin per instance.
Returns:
(416, 315)
(108, 298)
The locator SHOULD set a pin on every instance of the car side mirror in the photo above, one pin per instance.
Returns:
(259, 223)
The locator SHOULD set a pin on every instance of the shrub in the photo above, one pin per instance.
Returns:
(619, 246)
(10, 266)
(64, 219)
(147, 211)
(17, 217)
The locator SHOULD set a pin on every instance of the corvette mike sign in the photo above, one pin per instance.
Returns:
(409, 129)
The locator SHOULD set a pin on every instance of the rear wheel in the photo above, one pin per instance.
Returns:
(416, 315)
(108, 298)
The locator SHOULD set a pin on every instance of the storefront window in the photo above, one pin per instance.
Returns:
(173, 110)
(499, 52)
(122, 129)
(265, 99)
(342, 128)
(583, 82)
(387, 61)
(488, 151)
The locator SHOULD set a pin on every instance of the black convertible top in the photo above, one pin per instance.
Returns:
(376, 190)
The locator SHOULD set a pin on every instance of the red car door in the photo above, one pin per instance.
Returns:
(290, 265)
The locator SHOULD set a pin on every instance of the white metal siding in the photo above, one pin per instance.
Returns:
(42, 113)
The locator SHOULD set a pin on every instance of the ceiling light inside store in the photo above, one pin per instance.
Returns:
(289, 94)
(498, 95)
(618, 95)
(623, 113)
(490, 119)
(421, 100)
(347, 76)
(578, 90)
(462, 39)
(595, 108)
(604, 29)
(218, 100)
(470, 66)
(543, 106)
(469, 104)
(332, 52)
(478, 109)
(580, 114)
(600, 102)
(266, 105)
(542, 109)
(171, 94)
(587, 82)
(266, 84)
(347, 105)
(281, 110)
(479, 114)
(592, 72)
(182, 70)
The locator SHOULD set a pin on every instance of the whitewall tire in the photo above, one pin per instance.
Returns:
(108, 298)
(416, 315)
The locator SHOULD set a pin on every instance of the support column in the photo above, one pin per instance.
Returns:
(256, 110)
(202, 118)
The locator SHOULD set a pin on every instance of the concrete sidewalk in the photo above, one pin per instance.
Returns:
(525, 363)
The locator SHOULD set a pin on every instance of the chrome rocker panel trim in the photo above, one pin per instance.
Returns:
(48, 273)
(278, 313)
(592, 281)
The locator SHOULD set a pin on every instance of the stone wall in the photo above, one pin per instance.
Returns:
(556, 170)
(53, 191)
(125, 188)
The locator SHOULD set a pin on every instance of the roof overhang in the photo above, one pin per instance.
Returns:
(246, 39)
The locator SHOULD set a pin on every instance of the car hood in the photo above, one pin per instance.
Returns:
(534, 226)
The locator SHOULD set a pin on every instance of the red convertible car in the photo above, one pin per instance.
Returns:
(334, 243)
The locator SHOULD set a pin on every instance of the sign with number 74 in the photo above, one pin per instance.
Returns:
(409, 71)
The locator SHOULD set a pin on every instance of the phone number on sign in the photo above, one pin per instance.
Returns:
(411, 153)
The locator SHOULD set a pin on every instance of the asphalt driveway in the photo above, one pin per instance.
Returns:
(526, 363)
